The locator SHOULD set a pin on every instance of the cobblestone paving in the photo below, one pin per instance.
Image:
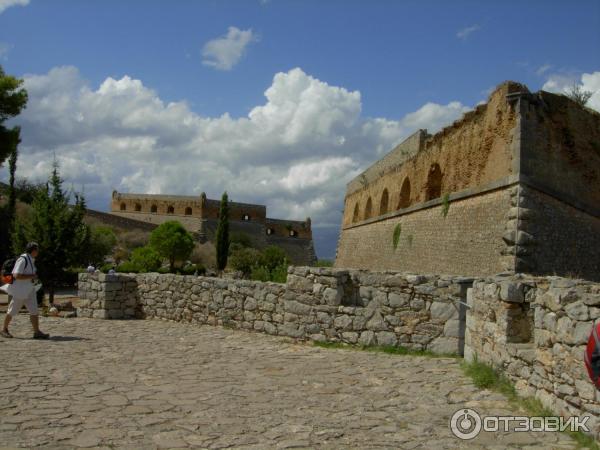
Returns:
(153, 384)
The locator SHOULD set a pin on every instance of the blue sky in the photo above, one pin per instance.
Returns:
(347, 80)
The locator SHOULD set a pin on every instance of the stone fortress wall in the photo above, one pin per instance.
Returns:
(533, 328)
(199, 215)
(512, 186)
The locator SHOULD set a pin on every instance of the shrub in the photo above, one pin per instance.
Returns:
(192, 269)
(273, 257)
(324, 263)
(260, 273)
(106, 267)
(279, 274)
(128, 267)
(146, 258)
(244, 260)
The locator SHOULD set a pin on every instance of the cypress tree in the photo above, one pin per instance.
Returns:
(223, 233)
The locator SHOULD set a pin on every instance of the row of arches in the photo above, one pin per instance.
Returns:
(433, 189)
(154, 209)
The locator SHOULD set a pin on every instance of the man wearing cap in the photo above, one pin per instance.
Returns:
(23, 292)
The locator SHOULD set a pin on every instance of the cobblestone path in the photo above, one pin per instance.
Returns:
(153, 384)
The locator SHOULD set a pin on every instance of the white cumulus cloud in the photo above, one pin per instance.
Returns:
(295, 152)
(4, 4)
(226, 51)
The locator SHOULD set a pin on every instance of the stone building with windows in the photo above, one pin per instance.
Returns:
(512, 186)
(199, 215)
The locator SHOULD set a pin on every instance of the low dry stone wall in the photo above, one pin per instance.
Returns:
(535, 329)
(321, 304)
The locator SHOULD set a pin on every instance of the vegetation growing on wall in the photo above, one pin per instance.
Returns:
(445, 204)
(396, 236)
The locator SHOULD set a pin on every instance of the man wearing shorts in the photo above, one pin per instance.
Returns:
(24, 274)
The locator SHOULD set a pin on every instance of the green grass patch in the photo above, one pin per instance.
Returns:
(486, 377)
(389, 349)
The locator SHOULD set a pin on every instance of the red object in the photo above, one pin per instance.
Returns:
(7, 279)
(592, 356)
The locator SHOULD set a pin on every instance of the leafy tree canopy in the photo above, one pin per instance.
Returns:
(13, 99)
(172, 241)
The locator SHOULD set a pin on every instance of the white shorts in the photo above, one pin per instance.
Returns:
(17, 303)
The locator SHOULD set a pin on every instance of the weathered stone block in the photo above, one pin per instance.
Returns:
(386, 338)
(343, 322)
(444, 345)
(443, 311)
(298, 308)
(397, 300)
(367, 338)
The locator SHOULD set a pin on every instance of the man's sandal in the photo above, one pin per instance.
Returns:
(6, 334)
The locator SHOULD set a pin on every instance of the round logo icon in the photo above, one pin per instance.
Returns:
(465, 424)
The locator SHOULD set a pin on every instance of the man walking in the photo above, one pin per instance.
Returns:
(23, 292)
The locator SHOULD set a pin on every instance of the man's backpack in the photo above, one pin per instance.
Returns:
(592, 356)
(7, 268)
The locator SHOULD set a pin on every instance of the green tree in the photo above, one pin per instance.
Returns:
(102, 242)
(172, 241)
(146, 259)
(13, 99)
(223, 233)
(8, 212)
(59, 230)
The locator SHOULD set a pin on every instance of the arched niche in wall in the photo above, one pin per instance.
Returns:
(433, 189)
(383, 203)
(369, 209)
(356, 215)
(123, 207)
(170, 210)
(138, 207)
(154, 209)
(188, 211)
(404, 201)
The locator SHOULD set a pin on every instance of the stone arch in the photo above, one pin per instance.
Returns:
(171, 209)
(154, 209)
(404, 201)
(356, 215)
(138, 207)
(123, 206)
(383, 204)
(368, 209)
(188, 211)
(434, 182)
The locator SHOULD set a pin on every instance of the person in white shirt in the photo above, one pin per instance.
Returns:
(23, 292)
